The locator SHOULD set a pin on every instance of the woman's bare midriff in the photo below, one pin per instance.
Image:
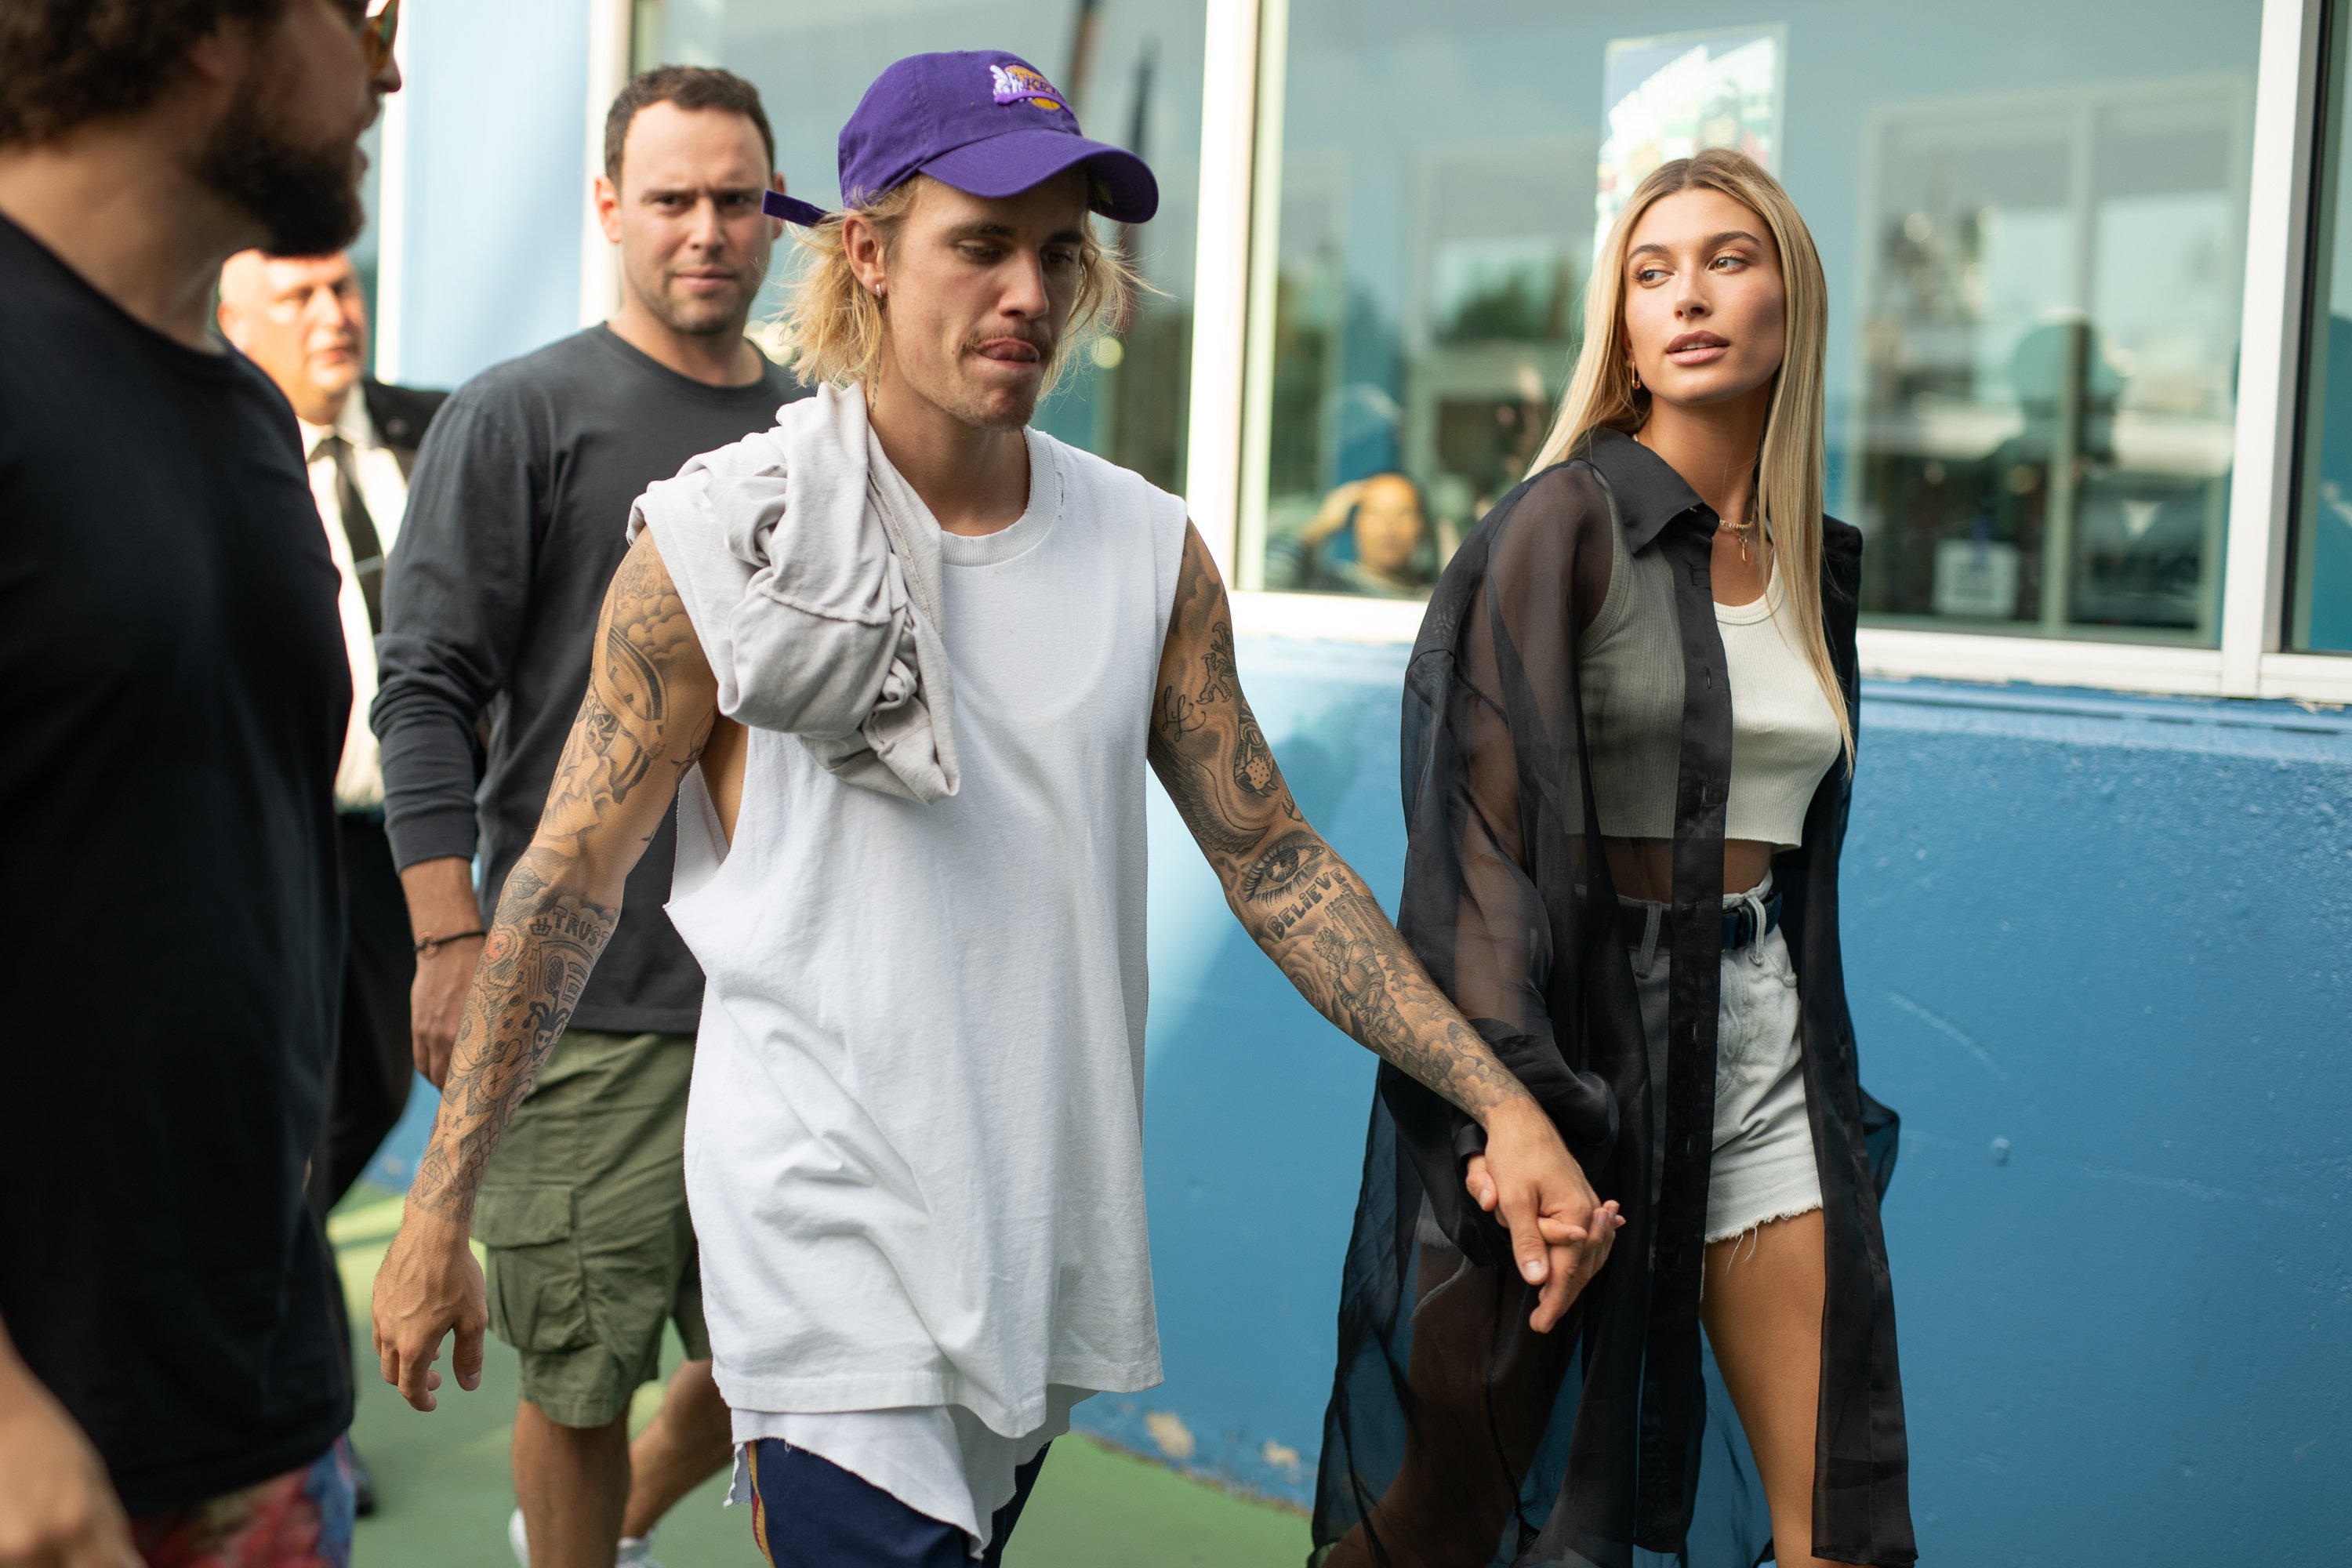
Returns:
(1645, 868)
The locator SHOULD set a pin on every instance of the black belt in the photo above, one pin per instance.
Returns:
(1740, 927)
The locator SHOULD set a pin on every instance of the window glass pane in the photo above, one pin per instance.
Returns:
(1133, 74)
(2032, 217)
(2320, 573)
(367, 248)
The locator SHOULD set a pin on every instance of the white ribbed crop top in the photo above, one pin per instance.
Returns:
(1784, 735)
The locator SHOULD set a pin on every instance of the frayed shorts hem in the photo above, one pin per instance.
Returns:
(1792, 1210)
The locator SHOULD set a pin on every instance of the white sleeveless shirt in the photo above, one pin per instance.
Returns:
(914, 1142)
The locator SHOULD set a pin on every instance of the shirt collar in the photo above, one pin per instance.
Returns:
(354, 424)
(1648, 491)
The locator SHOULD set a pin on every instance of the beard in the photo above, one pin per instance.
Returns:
(698, 316)
(306, 199)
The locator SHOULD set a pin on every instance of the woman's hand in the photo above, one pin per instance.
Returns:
(1333, 514)
(1560, 1230)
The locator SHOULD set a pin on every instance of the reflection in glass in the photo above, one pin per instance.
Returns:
(1371, 537)
(1132, 72)
(2032, 218)
(1434, 357)
(2320, 570)
(1435, 224)
(2043, 434)
(367, 250)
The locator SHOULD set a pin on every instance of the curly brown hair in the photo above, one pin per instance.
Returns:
(66, 62)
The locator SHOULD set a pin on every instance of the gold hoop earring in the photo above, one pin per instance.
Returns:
(1635, 373)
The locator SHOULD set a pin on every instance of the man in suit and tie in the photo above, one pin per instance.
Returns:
(304, 321)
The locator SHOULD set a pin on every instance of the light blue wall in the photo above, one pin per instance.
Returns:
(496, 125)
(2100, 953)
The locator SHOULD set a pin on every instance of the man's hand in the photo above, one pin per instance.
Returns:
(436, 1003)
(1560, 1230)
(440, 904)
(58, 1509)
(428, 1286)
(650, 705)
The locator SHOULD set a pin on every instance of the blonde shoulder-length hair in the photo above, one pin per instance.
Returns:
(1789, 479)
(832, 330)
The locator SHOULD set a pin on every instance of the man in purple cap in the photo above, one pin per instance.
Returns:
(901, 662)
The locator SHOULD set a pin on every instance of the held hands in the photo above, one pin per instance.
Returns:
(429, 1286)
(1560, 1230)
(58, 1509)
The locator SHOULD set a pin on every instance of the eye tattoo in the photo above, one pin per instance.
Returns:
(1292, 859)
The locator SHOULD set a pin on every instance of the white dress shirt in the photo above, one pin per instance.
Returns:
(359, 779)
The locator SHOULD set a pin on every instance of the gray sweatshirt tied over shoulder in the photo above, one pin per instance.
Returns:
(811, 571)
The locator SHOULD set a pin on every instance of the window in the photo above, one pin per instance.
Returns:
(2320, 605)
(2070, 249)
(2042, 406)
(1133, 71)
(2033, 219)
(368, 247)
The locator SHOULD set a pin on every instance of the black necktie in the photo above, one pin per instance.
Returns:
(359, 528)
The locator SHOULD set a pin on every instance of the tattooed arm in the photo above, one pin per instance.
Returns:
(649, 708)
(1319, 923)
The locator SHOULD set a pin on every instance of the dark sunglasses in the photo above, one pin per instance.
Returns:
(376, 34)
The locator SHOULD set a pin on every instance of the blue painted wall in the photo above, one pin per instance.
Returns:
(2101, 958)
(497, 121)
(2100, 952)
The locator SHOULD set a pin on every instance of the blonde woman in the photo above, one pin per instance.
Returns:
(1629, 747)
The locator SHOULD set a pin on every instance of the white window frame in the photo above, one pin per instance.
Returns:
(1240, 196)
(1240, 201)
(392, 222)
(611, 29)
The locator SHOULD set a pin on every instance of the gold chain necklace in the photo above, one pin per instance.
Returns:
(1741, 531)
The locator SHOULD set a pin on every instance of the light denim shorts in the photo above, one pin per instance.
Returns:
(1763, 1166)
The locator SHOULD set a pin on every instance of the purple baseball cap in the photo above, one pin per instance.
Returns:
(982, 121)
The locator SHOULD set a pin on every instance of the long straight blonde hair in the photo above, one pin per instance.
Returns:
(1790, 481)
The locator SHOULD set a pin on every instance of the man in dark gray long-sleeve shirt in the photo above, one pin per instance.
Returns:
(515, 526)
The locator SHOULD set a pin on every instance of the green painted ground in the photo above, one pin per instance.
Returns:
(444, 1493)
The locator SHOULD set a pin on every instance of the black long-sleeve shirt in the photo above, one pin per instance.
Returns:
(515, 526)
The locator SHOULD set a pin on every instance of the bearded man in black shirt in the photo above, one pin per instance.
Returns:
(173, 691)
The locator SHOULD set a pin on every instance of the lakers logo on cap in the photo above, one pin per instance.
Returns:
(1017, 83)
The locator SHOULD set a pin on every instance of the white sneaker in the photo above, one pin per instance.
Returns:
(637, 1551)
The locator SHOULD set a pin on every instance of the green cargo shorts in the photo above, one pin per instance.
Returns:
(582, 1214)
